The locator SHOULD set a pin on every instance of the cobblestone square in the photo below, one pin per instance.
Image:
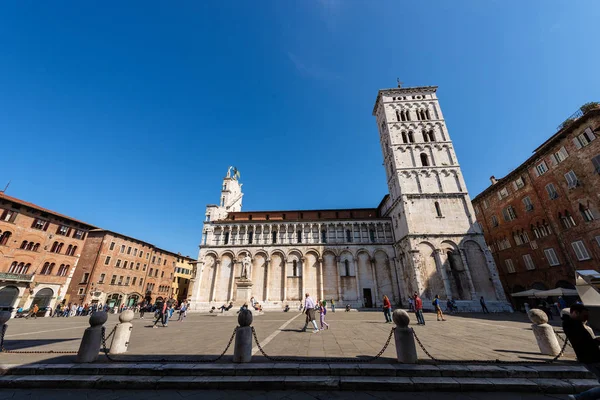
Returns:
(351, 334)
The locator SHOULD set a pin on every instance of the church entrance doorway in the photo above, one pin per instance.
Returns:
(368, 298)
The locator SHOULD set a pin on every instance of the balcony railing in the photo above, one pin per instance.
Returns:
(7, 276)
(576, 115)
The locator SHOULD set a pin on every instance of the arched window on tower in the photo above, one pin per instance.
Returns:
(222, 201)
(427, 114)
(424, 160)
(428, 136)
(404, 137)
(411, 137)
(347, 267)
(398, 117)
(24, 245)
(438, 210)
(348, 235)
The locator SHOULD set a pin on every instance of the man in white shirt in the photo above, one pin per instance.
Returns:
(309, 309)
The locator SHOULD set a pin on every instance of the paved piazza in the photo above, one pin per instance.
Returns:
(352, 334)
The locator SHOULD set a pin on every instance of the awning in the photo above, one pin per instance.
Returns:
(526, 293)
(557, 292)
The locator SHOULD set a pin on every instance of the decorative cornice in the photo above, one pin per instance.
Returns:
(398, 91)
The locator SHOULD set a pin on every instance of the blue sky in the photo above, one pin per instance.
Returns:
(127, 116)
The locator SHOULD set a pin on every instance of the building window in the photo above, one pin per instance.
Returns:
(133, 281)
(141, 254)
(295, 268)
(299, 236)
(509, 213)
(141, 281)
(509, 266)
(47, 268)
(102, 277)
(4, 238)
(586, 213)
(323, 236)
(40, 224)
(120, 280)
(8, 216)
(250, 237)
(63, 230)
(424, 160)
(596, 163)
(584, 139)
(80, 291)
(503, 193)
(274, 237)
(518, 183)
(580, 250)
(566, 219)
(135, 251)
(529, 265)
(127, 281)
(485, 204)
(348, 235)
(438, 210)
(560, 156)
(107, 260)
(372, 235)
(347, 267)
(572, 180)
(122, 248)
(112, 246)
(551, 257)
(86, 277)
(494, 221)
(137, 266)
(124, 264)
(113, 280)
(527, 203)
(225, 241)
(79, 234)
(552, 193)
(541, 168)
(118, 264)
(129, 250)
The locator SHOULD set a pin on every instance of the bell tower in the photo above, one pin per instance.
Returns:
(230, 199)
(440, 246)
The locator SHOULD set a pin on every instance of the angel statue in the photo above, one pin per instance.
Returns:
(233, 172)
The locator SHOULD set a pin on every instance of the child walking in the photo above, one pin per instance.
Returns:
(323, 312)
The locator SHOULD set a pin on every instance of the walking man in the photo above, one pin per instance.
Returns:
(309, 307)
(419, 309)
(483, 306)
(387, 309)
(33, 312)
(332, 306)
(438, 309)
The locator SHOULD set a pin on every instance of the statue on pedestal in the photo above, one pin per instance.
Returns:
(247, 267)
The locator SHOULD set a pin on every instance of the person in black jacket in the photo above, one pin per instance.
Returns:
(585, 345)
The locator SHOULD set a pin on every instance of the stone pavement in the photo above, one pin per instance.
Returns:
(52, 394)
(461, 337)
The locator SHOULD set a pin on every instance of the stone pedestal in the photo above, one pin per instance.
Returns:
(544, 333)
(243, 291)
(122, 333)
(404, 339)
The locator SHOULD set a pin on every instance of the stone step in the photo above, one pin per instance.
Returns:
(191, 370)
(363, 383)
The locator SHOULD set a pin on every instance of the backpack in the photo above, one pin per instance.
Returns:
(434, 302)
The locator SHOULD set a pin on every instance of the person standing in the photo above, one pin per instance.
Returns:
(438, 309)
(323, 312)
(411, 304)
(585, 346)
(419, 309)
(309, 307)
(161, 314)
(33, 312)
(332, 306)
(182, 311)
(387, 309)
(483, 306)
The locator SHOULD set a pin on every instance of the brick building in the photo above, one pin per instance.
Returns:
(39, 252)
(542, 220)
(184, 268)
(116, 269)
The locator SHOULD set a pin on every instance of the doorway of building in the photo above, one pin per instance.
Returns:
(42, 299)
(368, 298)
(8, 297)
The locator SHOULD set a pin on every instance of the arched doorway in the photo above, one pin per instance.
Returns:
(133, 300)
(8, 296)
(114, 300)
(42, 299)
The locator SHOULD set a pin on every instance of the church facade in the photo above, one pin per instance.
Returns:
(422, 237)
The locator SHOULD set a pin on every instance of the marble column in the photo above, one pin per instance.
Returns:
(284, 280)
(320, 260)
(267, 274)
(358, 291)
(374, 272)
(302, 262)
(214, 280)
(440, 267)
(463, 257)
(339, 279)
(231, 280)
(491, 265)
(415, 260)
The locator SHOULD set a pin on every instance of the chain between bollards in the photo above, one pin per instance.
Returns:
(323, 360)
(496, 361)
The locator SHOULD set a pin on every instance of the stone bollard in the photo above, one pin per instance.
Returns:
(404, 338)
(242, 351)
(92, 339)
(544, 333)
(122, 333)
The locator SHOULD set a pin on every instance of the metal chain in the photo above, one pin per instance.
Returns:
(323, 360)
(164, 360)
(496, 361)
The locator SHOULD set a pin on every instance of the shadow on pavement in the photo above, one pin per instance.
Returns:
(24, 344)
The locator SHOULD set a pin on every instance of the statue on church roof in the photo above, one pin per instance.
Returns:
(233, 172)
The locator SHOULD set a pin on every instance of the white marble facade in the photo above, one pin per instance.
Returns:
(423, 238)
